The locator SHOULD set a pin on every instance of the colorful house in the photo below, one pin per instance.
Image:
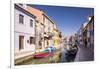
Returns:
(39, 27)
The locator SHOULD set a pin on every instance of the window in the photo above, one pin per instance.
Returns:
(21, 4)
(21, 19)
(31, 23)
(32, 40)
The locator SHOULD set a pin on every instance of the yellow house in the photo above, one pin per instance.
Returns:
(56, 38)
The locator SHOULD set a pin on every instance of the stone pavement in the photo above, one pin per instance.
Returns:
(85, 53)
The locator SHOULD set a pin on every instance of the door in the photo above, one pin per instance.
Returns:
(21, 42)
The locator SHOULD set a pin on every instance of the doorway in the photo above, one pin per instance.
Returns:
(21, 42)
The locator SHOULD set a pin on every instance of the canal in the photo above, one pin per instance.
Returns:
(54, 57)
(57, 56)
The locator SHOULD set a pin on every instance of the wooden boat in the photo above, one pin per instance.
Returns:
(41, 55)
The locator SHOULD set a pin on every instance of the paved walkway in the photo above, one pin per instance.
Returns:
(85, 54)
(23, 54)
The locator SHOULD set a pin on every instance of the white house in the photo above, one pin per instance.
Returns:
(24, 31)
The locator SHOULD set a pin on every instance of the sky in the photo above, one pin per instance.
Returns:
(68, 19)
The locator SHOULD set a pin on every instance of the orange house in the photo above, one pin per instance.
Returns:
(39, 27)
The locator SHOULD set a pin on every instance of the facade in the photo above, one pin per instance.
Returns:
(79, 36)
(24, 31)
(48, 34)
(73, 39)
(56, 38)
(86, 33)
(44, 28)
(39, 27)
(52, 37)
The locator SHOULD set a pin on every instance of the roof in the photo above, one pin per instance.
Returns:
(36, 12)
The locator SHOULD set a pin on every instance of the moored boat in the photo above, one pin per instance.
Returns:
(41, 55)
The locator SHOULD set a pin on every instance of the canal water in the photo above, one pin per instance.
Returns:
(52, 58)
(57, 56)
